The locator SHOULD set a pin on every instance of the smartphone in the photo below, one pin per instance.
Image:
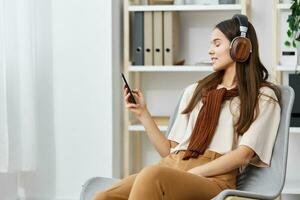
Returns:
(131, 97)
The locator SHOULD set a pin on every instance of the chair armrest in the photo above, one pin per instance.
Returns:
(239, 193)
(238, 198)
(94, 185)
(243, 198)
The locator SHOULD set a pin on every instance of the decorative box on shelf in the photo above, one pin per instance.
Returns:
(160, 2)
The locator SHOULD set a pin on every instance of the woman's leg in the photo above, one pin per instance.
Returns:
(158, 182)
(119, 191)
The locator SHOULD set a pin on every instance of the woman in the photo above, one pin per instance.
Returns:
(226, 121)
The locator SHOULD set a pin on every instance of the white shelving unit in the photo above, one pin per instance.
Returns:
(283, 6)
(182, 68)
(292, 183)
(139, 127)
(287, 68)
(230, 7)
(295, 130)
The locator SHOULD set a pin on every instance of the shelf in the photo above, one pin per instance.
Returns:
(181, 68)
(227, 7)
(283, 6)
(291, 187)
(295, 129)
(139, 127)
(287, 68)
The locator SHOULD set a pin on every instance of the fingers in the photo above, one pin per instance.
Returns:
(135, 108)
(132, 105)
(137, 92)
(134, 91)
(125, 90)
(128, 96)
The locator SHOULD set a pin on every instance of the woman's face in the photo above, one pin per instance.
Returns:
(219, 51)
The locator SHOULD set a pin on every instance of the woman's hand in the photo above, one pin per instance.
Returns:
(140, 107)
(194, 171)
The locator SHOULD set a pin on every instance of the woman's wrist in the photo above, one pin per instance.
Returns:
(196, 171)
(143, 115)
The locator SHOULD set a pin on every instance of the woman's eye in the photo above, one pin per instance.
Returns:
(217, 45)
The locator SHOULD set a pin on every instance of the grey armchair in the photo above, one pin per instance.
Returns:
(254, 182)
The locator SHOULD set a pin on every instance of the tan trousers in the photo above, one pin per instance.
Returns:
(169, 180)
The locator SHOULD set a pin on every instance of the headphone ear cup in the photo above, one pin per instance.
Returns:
(240, 49)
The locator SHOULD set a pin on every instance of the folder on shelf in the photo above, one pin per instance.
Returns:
(148, 38)
(138, 38)
(171, 39)
(158, 37)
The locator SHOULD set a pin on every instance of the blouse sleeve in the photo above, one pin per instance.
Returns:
(181, 121)
(261, 135)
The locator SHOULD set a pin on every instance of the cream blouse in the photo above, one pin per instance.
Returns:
(260, 136)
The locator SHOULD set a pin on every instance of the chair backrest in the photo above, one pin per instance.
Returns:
(173, 115)
(270, 180)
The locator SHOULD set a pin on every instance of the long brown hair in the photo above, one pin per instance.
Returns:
(251, 75)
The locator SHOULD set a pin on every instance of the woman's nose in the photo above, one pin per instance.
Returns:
(210, 51)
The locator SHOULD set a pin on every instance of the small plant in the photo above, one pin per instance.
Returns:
(294, 24)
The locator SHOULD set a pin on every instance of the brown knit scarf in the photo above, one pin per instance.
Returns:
(207, 120)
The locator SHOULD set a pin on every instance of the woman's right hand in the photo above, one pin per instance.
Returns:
(140, 107)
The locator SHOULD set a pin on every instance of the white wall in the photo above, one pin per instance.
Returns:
(82, 91)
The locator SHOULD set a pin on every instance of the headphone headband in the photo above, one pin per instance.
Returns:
(243, 21)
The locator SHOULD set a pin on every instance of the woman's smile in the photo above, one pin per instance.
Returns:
(214, 59)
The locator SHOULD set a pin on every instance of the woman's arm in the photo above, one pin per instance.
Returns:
(160, 142)
(226, 163)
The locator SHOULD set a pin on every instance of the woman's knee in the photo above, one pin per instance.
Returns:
(101, 196)
(152, 172)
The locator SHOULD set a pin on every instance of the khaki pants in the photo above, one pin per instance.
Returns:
(169, 180)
